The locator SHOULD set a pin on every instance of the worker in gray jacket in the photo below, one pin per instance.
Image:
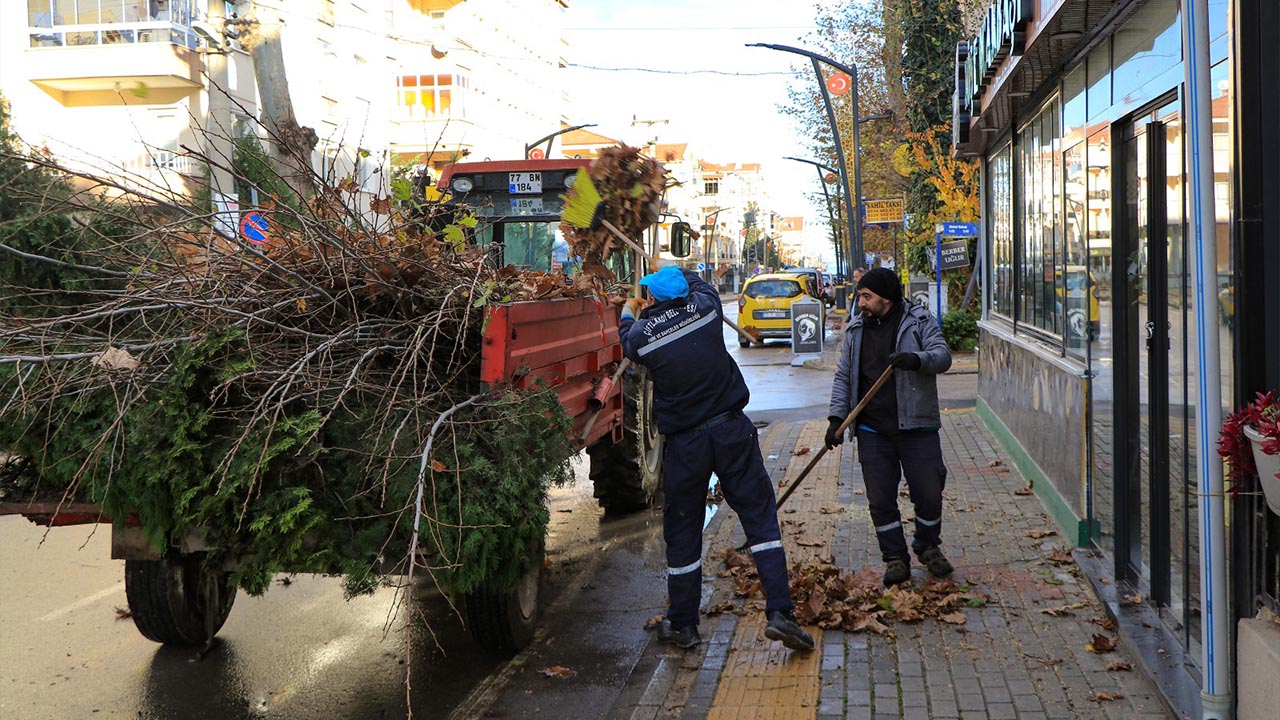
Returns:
(897, 431)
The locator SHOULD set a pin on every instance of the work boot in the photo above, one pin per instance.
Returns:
(782, 626)
(896, 570)
(935, 561)
(684, 638)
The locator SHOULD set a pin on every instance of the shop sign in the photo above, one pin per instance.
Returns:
(1003, 33)
(884, 212)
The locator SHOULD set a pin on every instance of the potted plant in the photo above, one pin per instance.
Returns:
(1250, 441)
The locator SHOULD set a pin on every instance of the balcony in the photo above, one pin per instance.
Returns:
(76, 63)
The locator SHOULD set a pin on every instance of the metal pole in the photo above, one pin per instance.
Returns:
(1216, 697)
(937, 273)
(841, 164)
(857, 173)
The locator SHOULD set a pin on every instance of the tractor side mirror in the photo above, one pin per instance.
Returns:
(681, 240)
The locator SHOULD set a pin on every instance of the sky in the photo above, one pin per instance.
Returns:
(729, 115)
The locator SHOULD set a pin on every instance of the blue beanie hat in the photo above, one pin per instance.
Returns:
(666, 284)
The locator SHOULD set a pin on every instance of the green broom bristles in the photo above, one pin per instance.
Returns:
(583, 206)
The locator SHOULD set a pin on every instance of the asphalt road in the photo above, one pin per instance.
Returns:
(303, 651)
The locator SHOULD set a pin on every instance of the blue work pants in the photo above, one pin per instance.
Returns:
(730, 447)
(885, 459)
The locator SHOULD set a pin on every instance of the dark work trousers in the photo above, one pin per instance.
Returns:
(731, 449)
(885, 459)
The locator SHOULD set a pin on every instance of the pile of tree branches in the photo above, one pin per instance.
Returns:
(308, 404)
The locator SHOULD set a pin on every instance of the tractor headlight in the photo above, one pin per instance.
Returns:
(462, 184)
(569, 179)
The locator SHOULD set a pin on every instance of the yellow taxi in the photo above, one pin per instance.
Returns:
(764, 307)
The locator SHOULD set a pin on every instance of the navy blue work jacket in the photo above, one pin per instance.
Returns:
(681, 342)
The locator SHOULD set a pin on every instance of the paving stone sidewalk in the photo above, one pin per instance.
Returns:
(1009, 660)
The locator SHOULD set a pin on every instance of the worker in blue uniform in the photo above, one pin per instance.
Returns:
(698, 398)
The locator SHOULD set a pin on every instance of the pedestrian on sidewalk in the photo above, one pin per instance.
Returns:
(897, 431)
(698, 397)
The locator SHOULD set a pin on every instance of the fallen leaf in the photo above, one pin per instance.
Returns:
(955, 618)
(830, 510)
(123, 612)
(115, 359)
(1100, 644)
(1103, 622)
(1134, 599)
(1119, 666)
(806, 542)
(558, 671)
(995, 463)
(655, 621)
(1062, 610)
(1105, 697)
(1061, 556)
(1024, 490)
(800, 451)
(1037, 534)
(285, 581)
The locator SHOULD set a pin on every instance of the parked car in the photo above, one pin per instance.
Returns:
(765, 303)
(817, 283)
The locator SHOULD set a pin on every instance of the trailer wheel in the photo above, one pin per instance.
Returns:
(628, 474)
(504, 622)
(176, 600)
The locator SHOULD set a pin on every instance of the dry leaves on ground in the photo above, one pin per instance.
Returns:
(1100, 644)
(654, 622)
(1105, 697)
(800, 451)
(1024, 490)
(1117, 666)
(830, 510)
(123, 612)
(1062, 610)
(1037, 534)
(1134, 599)
(857, 601)
(559, 672)
(1061, 556)
(1104, 622)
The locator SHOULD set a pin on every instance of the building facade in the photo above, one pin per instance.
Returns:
(1077, 111)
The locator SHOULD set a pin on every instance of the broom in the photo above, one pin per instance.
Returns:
(584, 209)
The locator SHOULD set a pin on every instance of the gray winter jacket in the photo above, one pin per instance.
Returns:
(918, 390)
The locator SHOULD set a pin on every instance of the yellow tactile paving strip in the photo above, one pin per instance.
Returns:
(762, 680)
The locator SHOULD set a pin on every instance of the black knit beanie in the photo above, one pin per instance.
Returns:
(882, 282)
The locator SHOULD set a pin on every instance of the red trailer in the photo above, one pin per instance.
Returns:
(570, 345)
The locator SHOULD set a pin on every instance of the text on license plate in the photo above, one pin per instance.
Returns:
(526, 206)
(770, 314)
(524, 183)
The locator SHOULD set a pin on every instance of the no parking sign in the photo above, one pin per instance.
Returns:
(254, 227)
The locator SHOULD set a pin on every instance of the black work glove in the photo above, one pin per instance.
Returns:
(905, 361)
(834, 436)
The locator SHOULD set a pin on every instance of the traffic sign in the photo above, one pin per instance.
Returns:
(957, 229)
(702, 267)
(839, 83)
(537, 154)
(254, 227)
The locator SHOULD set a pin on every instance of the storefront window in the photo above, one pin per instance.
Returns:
(1078, 305)
(1144, 48)
(1000, 194)
(1099, 78)
(1098, 208)
(1041, 184)
(1073, 106)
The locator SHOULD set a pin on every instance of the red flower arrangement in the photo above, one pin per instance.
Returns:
(1263, 415)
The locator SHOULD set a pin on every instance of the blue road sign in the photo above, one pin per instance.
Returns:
(958, 229)
(254, 227)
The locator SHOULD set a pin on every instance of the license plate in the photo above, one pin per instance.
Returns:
(770, 314)
(524, 183)
(526, 206)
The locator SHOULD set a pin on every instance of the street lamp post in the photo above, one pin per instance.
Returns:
(852, 200)
(711, 243)
(834, 218)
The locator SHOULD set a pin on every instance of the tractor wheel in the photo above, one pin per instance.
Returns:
(628, 474)
(504, 622)
(177, 600)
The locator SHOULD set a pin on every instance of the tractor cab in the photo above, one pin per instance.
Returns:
(518, 205)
